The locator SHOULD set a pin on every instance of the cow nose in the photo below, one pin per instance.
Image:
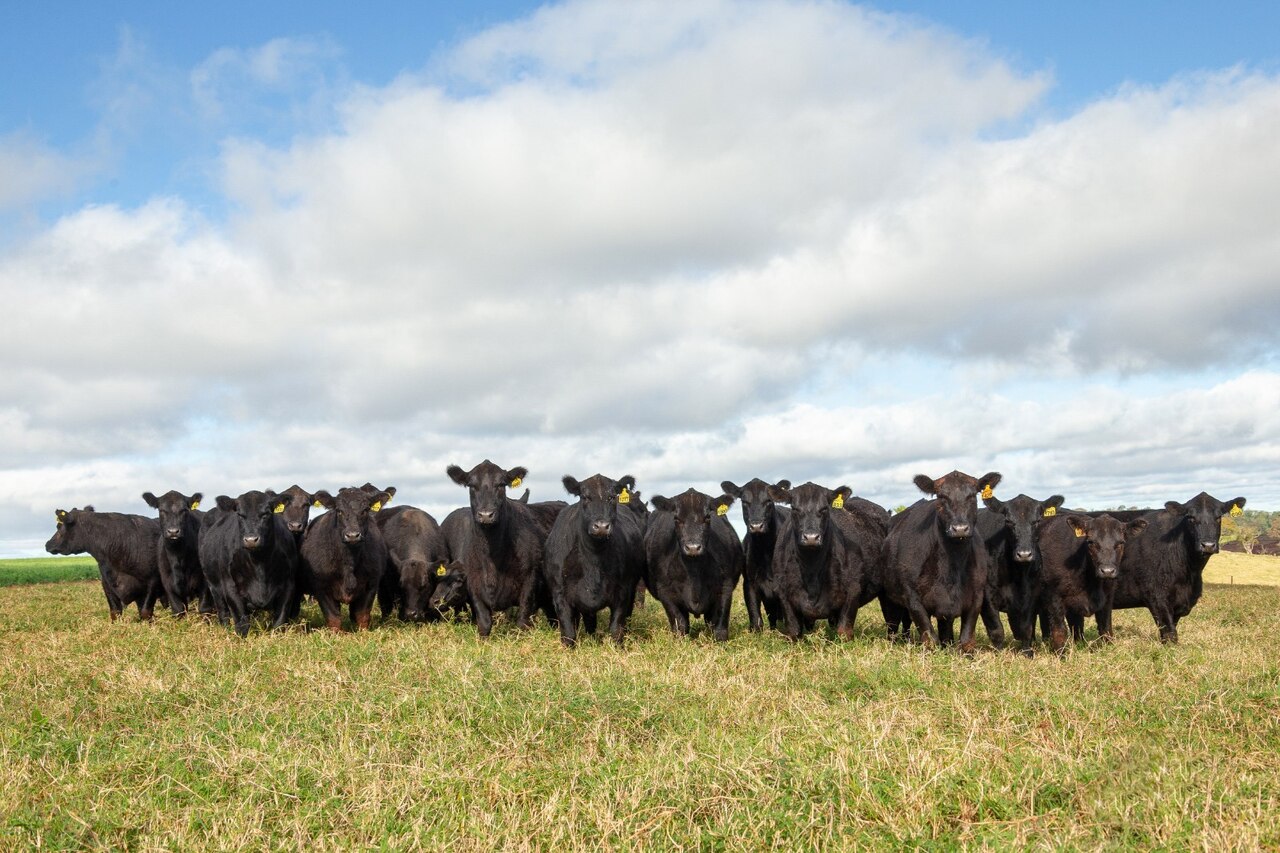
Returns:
(351, 537)
(252, 541)
(172, 533)
(1208, 547)
(811, 540)
(1022, 555)
(486, 516)
(958, 531)
(601, 528)
(295, 527)
(756, 527)
(1107, 571)
(693, 549)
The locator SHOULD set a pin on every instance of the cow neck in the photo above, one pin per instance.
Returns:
(1195, 560)
(497, 542)
(960, 552)
(819, 557)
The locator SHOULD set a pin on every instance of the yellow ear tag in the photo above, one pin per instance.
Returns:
(377, 505)
(838, 503)
(624, 497)
(1079, 532)
(1050, 512)
(441, 571)
(195, 504)
(988, 492)
(515, 484)
(279, 509)
(723, 509)
(1236, 511)
(318, 505)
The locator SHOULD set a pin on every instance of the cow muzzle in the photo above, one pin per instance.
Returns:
(1208, 547)
(352, 537)
(173, 534)
(295, 526)
(1022, 555)
(486, 516)
(958, 531)
(692, 549)
(252, 542)
(601, 529)
(810, 540)
(1108, 571)
(755, 527)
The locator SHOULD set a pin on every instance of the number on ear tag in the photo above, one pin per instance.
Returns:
(988, 492)
(377, 505)
(441, 571)
(317, 504)
(195, 504)
(515, 484)
(279, 509)
(1236, 511)
(838, 503)
(624, 497)
(1050, 512)
(723, 509)
(1079, 532)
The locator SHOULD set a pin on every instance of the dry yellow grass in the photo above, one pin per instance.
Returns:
(1227, 567)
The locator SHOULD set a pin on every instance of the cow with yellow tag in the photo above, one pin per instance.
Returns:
(417, 554)
(693, 559)
(1010, 531)
(250, 559)
(344, 555)
(764, 518)
(178, 552)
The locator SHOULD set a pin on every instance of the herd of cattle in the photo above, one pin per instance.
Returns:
(810, 553)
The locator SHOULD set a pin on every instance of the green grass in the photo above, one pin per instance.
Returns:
(179, 735)
(47, 570)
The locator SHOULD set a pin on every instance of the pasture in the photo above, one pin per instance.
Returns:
(179, 735)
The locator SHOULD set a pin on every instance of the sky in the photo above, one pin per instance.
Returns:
(262, 244)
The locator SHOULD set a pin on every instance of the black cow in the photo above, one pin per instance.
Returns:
(449, 598)
(250, 559)
(1008, 528)
(764, 519)
(1162, 569)
(417, 558)
(178, 551)
(125, 548)
(826, 558)
(502, 546)
(595, 557)
(935, 563)
(344, 555)
(693, 559)
(1080, 559)
(297, 511)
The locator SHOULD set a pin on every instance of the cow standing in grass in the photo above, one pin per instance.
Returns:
(1081, 560)
(125, 548)
(250, 559)
(1009, 530)
(344, 555)
(826, 559)
(178, 551)
(500, 545)
(693, 559)
(416, 559)
(595, 557)
(935, 563)
(764, 519)
(1163, 568)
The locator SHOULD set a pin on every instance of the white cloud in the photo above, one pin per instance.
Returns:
(31, 171)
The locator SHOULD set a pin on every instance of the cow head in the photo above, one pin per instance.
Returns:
(450, 592)
(693, 511)
(255, 512)
(598, 500)
(353, 510)
(811, 507)
(1105, 538)
(418, 581)
(1202, 519)
(957, 500)
(68, 538)
(487, 484)
(1022, 516)
(757, 505)
(175, 513)
(297, 509)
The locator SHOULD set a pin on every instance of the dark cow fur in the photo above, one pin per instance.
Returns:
(764, 519)
(595, 557)
(344, 555)
(125, 548)
(250, 559)
(693, 559)
(502, 547)
(1162, 569)
(1009, 529)
(1080, 559)
(935, 563)
(417, 558)
(178, 550)
(827, 557)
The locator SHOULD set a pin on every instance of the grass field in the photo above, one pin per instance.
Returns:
(178, 735)
(47, 570)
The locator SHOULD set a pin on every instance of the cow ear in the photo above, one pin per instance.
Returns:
(1173, 507)
(390, 492)
(457, 475)
(151, 500)
(524, 499)
(322, 500)
(1235, 507)
(779, 493)
(993, 503)
(988, 482)
(87, 508)
(925, 484)
(784, 484)
(1135, 527)
(730, 489)
(194, 503)
(1050, 508)
(627, 483)
(1079, 524)
(663, 504)
(516, 476)
(840, 495)
(227, 504)
(571, 485)
(722, 503)
(379, 500)
(60, 514)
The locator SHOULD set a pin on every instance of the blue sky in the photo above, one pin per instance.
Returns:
(318, 243)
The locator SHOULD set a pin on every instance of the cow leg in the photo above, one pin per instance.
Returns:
(991, 621)
(1023, 625)
(969, 629)
(923, 621)
(114, 604)
(528, 602)
(484, 617)
(1076, 623)
(589, 621)
(332, 611)
(751, 599)
(1055, 616)
(618, 623)
(677, 618)
(388, 594)
(147, 604)
(175, 596)
(207, 606)
(1103, 618)
(285, 610)
(896, 619)
(946, 631)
